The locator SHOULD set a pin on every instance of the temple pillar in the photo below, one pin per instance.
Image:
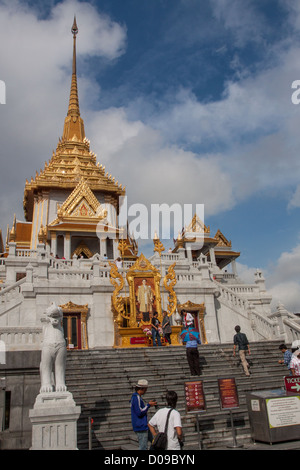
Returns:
(53, 243)
(212, 256)
(233, 267)
(67, 245)
(103, 246)
(188, 247)
(115, 248)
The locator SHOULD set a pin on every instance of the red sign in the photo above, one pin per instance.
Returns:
(228, 393)
(138, 340)
(292, 384)
(194, 396)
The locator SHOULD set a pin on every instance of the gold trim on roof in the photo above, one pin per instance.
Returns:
(82, 248)
(70, 307)
(197, 225)
(81, 205)
(222, 240)
(191, 307)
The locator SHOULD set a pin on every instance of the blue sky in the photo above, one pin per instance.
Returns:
(183, 100)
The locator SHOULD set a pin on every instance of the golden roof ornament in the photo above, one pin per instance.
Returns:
(179, 240)
(13, 232)
(42, 234)
(158, 246)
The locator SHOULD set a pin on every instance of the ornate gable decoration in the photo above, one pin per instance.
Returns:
(83, 210)
(196, 225)
(81, 204)
(222, 240)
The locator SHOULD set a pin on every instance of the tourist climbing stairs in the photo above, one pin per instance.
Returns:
(103, 380)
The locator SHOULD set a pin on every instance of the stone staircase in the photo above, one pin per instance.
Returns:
(102, 382)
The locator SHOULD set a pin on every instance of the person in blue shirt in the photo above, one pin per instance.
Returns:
(287, 356)
(192, 355)
(139, 411)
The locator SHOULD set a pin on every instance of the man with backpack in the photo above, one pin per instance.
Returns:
(240, 340)
(166, 423)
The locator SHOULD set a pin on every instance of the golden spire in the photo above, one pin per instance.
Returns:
(74, 101)
(73, 159)
(74, 126)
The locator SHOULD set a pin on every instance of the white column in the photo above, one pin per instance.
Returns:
(103, 246)
(212, 256)
(233, 267)
(53, 244)
(67, 245)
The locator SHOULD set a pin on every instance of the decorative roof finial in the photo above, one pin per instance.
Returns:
(74, 102)
(74, 27)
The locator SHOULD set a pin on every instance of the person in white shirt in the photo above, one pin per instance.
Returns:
(188, 319)
(158, 421)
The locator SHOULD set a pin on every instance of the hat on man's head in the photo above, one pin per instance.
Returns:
(143, 383)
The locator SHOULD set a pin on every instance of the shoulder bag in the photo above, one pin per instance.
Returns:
(160, 440)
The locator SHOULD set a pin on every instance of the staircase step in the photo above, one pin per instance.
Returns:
(103, 380)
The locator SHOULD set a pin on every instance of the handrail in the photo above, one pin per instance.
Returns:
(12, 286)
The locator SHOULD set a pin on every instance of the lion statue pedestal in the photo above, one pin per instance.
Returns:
(55, 414)
(54, 422)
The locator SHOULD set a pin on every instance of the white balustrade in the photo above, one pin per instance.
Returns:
(19, 337)
(26, 253)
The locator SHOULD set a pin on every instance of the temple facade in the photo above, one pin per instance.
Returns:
(65, 251)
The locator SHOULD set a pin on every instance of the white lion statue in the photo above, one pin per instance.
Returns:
(54, 352)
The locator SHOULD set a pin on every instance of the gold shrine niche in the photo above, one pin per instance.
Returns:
(75, 325)
(198, 312)
(133, 310)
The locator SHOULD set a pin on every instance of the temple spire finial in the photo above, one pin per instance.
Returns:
(74, 27)
(74, 101)
(74, 126)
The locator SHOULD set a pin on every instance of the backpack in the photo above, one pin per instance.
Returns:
(160, 440)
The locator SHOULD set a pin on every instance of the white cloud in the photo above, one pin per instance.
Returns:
(245, 273)
(295, 200)
(253, 126)
(283, 281)
(152, 170)
(241, 19)
(288, 267)
(286, 293)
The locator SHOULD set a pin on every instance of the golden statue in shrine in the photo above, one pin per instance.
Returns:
(133, 311)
